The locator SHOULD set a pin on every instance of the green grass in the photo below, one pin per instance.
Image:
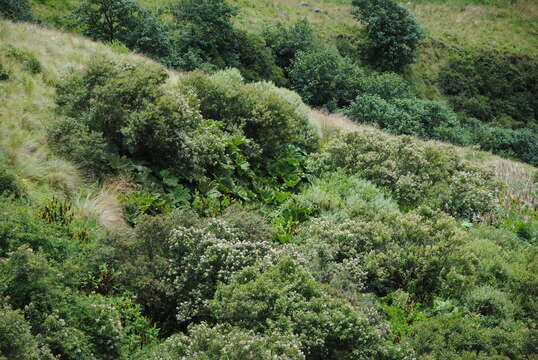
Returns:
(490, 24)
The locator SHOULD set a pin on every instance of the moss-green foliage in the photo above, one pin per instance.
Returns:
(493, 87)
(456, 336)
(422, 118)
(125, 110)
(176, 261)
(9, 183)
(414, 173)
(286, 42)
(256, 62)
(393, 33)
(16, 338)
(127, 22)
(269, 119)
(214, 173)
(209, 40)
(16, 9)
(520, 144)
(362, 242)
(42, 268)
(324, 78)
(285, 298)
(219, 342)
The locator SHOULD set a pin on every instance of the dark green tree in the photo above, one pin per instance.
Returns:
(393, 33)
(127, 22)
(16, 9)
(207, 34)
(286, 42)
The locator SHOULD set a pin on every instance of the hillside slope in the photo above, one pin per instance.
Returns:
(357, 244)
(29, 105)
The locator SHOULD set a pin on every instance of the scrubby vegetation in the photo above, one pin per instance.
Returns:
(212, 214)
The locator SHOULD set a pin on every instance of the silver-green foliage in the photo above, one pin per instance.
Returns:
(415, 173)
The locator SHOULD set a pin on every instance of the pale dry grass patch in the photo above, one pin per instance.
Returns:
(329, 125)
(102, 205)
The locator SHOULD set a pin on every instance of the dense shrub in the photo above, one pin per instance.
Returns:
(22, 225)
(208, 40)
(16, 9)
(393, 33)
(454, 336)
(323, 78)
(387, 85)
(265, 116)
(286, 42)
(124, 110)
(16, 339)
(493, 87)
(490, 302)
(256, 62)
(414, 172)
(207, 34)
(9, 184)
(174, 261)
(378, 249)
(202, 258)
(225, 342)
(520, 144)
(422, 118)
(286, 299)
(127, 22)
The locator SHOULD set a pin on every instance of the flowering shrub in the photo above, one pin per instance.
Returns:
(200, 258)
(225, 342)
(286, 299)
(16, 339)
(381, 251)
(415, 173)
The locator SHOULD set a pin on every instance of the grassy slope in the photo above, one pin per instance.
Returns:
(27, 106)
(450, 24)
(495, 24)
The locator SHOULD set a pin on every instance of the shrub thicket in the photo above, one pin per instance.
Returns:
(127, 22)
(520, 144)
(124, 110)
(225, 342)
(323, 78)
(16, 338)
(208, 40)
(393, 33)
(422, 118)
(271, 117)
(286, 42)
(16, 9)
(415, 173)
(286, 299)
(493, 87)
(9, 184)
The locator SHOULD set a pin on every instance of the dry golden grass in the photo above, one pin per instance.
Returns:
(102, 205)
(27, 106)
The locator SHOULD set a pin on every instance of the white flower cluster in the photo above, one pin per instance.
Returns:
(203, 257)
